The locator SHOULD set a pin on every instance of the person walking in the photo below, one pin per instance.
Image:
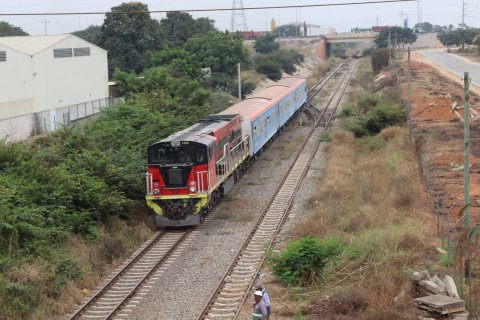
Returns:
(259, 308)
(266, 298)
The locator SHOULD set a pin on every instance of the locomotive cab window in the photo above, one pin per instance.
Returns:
(186, 154)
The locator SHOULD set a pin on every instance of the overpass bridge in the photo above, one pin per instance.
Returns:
(325, 41)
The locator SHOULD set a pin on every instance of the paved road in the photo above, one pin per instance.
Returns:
(453, 63)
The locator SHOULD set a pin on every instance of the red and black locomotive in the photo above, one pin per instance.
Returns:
(190, 170)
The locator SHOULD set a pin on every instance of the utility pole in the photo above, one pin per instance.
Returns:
(377, 21)
(463, 14)
(401, 19)
(239, 84)
(466, 149)
(45, 23)
(419, 13)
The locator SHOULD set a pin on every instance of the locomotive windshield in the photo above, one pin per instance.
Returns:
(187, 153)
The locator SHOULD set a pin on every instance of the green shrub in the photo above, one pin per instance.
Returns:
(366, 102)
(346, 112)
(269, 67)
(367, 52)
(273, 63)
(380, 59)
(385, 115)
(376, 119)
(304, 260)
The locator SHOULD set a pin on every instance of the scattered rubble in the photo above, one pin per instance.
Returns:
(438, 297)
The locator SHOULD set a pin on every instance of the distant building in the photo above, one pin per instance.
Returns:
(379, 28)
(49, 81)
(311, 30)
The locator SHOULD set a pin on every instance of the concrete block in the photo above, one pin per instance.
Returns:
(438, 282)
(431, 287)
(450, 287)
(417, 276)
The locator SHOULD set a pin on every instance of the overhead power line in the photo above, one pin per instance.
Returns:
(203, 10)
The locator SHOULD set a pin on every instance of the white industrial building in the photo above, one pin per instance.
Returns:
(49, 81)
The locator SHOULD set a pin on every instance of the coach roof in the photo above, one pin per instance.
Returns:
(259, 102)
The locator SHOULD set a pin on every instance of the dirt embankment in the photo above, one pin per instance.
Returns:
(440, 131)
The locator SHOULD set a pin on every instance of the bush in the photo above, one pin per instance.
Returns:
(383, 116)
(273, 63)
(380, 59)
(346, 112)
(228, 83)
(376, 119)
(303, 260)
(269, 67)
(367, 52)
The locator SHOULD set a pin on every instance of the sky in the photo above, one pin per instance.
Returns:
(342, 18)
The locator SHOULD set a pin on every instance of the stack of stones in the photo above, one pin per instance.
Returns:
(438, 297)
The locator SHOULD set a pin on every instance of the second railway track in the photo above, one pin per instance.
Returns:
(234, 287)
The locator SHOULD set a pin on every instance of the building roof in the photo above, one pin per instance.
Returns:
(32, 44)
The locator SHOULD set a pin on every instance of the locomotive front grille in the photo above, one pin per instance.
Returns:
(175, 177)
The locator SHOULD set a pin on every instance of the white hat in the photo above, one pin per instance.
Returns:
(258, 293)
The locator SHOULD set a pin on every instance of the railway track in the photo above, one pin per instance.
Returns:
(310, 109)
(236, 284)
(126, 286)
(131, 277)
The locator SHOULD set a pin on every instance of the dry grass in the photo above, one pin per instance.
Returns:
(253, 76)
(369, 198)
(96, 260)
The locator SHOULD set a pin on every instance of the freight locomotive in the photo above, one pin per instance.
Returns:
(190, 170)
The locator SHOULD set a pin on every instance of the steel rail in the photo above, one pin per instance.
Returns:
(124, 272)
(117, 276)
(321, 83)
(260, 218)
(312, 155)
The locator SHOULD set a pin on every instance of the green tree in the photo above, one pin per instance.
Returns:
(266, 43)
(459, 37)
(425, 26)
(180, 26)
(91, 34)
(8, 30)
(448, 38)
(402, 35)
(178, 61)
(205, 25)
(129, 36)
(218, 51)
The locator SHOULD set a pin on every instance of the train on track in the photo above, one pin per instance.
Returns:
(190, 170)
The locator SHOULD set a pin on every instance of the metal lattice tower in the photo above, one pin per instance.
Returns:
(239, 20)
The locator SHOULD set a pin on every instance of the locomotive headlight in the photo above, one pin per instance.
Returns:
(193, 187)
(155, 185)
(156, 192)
